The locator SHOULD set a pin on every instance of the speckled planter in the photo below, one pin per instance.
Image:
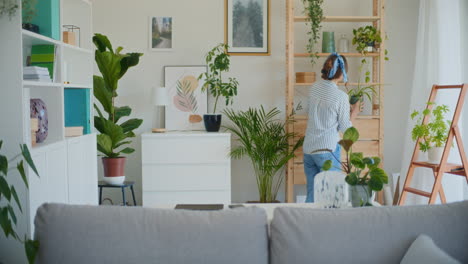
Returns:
(39, 110)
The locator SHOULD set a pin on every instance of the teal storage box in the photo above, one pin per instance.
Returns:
(77, 108)
(48, 18)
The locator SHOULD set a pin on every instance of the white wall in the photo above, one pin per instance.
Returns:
(464, 39)
(199, 25)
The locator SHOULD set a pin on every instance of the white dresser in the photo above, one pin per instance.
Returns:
(186, 167)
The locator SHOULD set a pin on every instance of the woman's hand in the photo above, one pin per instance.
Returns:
(356, 109)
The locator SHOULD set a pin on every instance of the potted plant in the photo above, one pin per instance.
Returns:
(434, 133)
(361, 90)
(8, 218)
(366, 38)
(8, 7)
(113, 132)
(362, 173)
(29, 12)
(313, 9)
(218, 62)
(263, 138)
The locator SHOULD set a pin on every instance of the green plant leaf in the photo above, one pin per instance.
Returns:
(12, 214)
(346, 144)
(127, 150)
(375, 183)
(379, 173)
(27, 157)
(358, 163)
(129, 60)
(102, 42)
(351, 134)
(3, 165)
(104, 144)
(327, 165)
(15, 196)
(1, 143)
(121, 112)
(31, 248)
(20, 168)
(5, 188)
(352, 178)
(131, 125)
(109, 66)
(102, 94)
(5, 222)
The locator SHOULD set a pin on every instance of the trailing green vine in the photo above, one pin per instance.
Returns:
(313, 9)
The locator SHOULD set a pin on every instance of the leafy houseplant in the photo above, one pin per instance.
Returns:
(362, 90)
(29, 12)
(362, 173)
(8, 7)
(366, 38)
(218, 62)
(313, 9)
(8, 218)
(434, 133)
(113, 134)
(262, 137)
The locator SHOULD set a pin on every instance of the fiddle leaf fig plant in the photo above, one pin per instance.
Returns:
(218, 61)
(435, 132)
(313, 9)
(9, 197)
(114, 134)
(359, 170)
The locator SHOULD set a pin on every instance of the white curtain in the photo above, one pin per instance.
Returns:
(438, 61)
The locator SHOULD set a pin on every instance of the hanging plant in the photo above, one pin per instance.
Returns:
(313, 9)
(8, 7)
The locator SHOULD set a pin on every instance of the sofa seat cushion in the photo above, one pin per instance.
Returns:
(114, 234)
(365, 235)
(423, 250)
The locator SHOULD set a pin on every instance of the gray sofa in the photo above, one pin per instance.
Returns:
(108, 234)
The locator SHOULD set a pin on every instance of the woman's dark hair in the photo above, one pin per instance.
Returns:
(328, 65)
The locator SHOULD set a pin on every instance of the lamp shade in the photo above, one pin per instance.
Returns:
(160, 96)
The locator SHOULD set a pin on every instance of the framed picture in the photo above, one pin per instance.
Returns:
(187, 102)
(247, 27)
(161, 36)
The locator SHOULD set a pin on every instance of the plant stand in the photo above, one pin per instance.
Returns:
(443, 167)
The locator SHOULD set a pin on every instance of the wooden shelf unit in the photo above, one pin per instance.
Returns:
(369, 126)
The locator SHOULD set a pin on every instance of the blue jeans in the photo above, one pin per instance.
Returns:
(313, 165)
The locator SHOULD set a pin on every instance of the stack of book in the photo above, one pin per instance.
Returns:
(38, 74)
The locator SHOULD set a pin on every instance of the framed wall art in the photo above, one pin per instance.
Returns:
(187, 102)
(161, 37)
(247, 27)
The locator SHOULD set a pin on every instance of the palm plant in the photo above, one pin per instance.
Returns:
(264, 140)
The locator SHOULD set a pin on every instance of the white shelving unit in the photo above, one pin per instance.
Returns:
(67, 166)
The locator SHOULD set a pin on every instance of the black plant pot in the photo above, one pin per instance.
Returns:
(212, 122)
(31, 27)
(354, 99)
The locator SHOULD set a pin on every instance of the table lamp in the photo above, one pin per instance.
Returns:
(160, 100)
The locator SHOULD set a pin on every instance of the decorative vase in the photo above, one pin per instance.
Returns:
(328, 42)
(114, 170)
(361, 195)
(31, 27)
(38, 110)
(370, 47)
(212, 122)
(435, 154)
(343, 44)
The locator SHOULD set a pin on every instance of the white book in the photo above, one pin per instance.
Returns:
(35, 70)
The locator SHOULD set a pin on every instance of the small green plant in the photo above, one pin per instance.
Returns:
(367, 36)
(29, 10)
(435, 132)
(362, 90)
(359, 170)
(218, 61)
(313, 9)
(113, 66)
(8, 7)
(263, 138)
(8, 218)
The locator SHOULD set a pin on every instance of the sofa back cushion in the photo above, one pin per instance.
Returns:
(114, 234)
(365, 235)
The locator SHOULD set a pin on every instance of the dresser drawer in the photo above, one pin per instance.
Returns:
(158, 177)
(185, 150)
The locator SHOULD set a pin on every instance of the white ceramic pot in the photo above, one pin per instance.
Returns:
(435, 154)
(119, 180)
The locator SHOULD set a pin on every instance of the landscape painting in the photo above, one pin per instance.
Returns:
(161, 34)
(187, 102)
(247, 27)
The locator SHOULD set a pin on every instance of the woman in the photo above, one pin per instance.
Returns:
(329, 113)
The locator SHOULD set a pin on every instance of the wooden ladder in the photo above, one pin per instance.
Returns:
(443, 167)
